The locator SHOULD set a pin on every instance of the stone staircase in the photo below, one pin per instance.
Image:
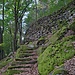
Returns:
(26, 63)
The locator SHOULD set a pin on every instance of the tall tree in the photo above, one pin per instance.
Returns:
(16, 11)
(1, 31)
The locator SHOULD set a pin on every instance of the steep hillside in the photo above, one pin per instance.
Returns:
(44, 25)
(49, 47)
(60, 49)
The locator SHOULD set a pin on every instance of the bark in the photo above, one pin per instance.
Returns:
(16, 9)
(20, 30)
(1, 34)
(36, 9)
(15, 32)
(1, 41)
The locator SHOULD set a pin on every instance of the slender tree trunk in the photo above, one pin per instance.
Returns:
(15, 32)
(20, 30)
(1, 33)
(3, 16)
(16, 9)
(36, 9)
(1, 41)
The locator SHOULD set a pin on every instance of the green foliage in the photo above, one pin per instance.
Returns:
(51, 6)
(7, 42)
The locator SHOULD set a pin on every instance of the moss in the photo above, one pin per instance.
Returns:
(56, 54)
(13, 67)
(58, 34)
(21, 50)
(5, 62)
(41, 38)
(41, 50)
(12, 72)
(21, 55)
(59, 71)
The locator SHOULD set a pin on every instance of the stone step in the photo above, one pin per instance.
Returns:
(13, 67)
(21, 71)
(30, 51)
(26, 55)
(24, 62)
(23, 59)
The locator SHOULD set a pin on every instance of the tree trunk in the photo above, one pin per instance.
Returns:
(1, 34)
(15, 32)
(1, 41)
(16, 9)
(36, 9)
(20, 30)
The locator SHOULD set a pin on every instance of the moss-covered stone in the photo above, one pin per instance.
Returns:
(56, 53)
(59, 71)
(12, 72)
(21, 50)
(41, 50)
(5, 62)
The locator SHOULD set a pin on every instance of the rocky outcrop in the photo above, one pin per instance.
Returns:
(43, 26)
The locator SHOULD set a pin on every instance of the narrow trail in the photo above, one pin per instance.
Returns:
(27, 64)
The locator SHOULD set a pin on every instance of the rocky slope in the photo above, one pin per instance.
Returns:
(44, 26)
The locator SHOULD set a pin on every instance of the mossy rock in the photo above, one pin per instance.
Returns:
(56, 54)
(41, 40)
(23, 59)
(59, 71)
(22, 49)
(12, 72)
(41, 50)
(5, 62)
(13, 67)
(24, 62)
